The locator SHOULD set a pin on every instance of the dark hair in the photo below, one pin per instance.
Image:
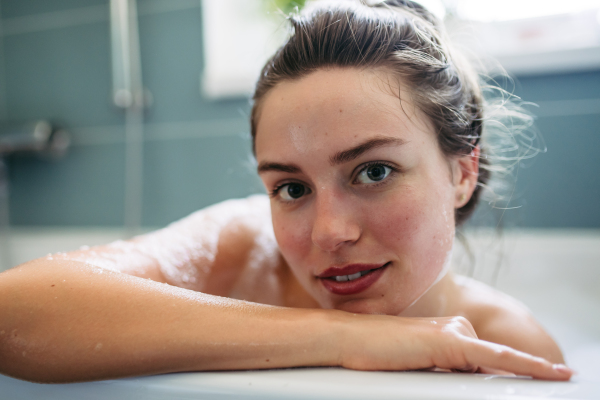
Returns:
(404, 38)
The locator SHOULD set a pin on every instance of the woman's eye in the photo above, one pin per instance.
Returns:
(291, 191)
(373, 173)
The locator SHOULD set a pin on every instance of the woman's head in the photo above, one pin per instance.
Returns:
(406, 40)
(366, 131)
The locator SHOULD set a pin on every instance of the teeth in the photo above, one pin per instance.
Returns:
(354, 276)
(344, 278)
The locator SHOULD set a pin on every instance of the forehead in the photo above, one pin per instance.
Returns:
(336, 108)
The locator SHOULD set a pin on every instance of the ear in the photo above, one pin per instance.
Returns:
(465, 174)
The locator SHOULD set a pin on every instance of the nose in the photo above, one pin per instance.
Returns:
(335, 222)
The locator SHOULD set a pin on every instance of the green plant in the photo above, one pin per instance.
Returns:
(285, 6)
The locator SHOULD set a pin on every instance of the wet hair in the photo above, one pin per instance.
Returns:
(399, 36)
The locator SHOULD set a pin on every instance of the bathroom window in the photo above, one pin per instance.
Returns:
(524, 36)
(530, 36)
(239, 36)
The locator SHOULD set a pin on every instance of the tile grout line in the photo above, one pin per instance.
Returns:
(3, 89)
(83, 16)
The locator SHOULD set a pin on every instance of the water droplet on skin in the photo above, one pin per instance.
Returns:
(98, 346)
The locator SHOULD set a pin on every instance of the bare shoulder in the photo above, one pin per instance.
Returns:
(222, 242)
(207, 251)
(499, 318)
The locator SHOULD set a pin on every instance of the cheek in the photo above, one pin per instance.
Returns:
(419, 226)
(292, 235)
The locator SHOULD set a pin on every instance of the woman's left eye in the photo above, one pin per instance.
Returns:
(373, 173)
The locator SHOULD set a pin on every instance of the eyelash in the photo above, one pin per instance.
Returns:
(394, 169)
(276, 189)
(273, 193)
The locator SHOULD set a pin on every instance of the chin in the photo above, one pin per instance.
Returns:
(368, 306)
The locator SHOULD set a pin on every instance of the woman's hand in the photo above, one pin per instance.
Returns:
(393, 343)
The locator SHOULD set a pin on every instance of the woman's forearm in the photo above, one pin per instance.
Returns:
(64, 321)
(68, 321)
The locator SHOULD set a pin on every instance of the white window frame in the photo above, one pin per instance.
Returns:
(239, 36)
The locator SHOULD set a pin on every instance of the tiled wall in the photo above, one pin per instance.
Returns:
(56, 58)
(55, 63)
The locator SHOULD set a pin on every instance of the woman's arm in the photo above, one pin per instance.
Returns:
(78, 317)
(68, 321)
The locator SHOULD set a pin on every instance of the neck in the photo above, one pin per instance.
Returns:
(435, 302)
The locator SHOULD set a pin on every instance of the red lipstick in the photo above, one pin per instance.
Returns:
(370, 275)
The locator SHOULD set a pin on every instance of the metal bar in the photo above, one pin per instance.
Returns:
(128, 93)
(3, 103)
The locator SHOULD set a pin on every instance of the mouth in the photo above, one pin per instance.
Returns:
(351, 279)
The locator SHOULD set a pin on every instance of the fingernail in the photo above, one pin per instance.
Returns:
(563, 369)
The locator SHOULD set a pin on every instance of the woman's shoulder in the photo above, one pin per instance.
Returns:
(215, 250)
(228, 226)
(245, 254)
(254, 210)
(500, 318)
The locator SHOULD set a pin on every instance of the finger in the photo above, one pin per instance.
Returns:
(492, 355)
(464, 323)
(472, 330)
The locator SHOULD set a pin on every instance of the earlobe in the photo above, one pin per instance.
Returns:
(467, 173)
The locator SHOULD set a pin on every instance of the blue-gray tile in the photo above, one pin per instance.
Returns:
(21, 8)
(84, 188)
(61, 74)
(182, 176)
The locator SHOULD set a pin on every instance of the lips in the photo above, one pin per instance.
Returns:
(370, 273)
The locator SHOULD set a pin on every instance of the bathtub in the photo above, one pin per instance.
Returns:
(555, 273)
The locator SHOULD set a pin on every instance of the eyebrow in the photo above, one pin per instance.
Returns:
(356, 151)
(341, 157)
(272, 166)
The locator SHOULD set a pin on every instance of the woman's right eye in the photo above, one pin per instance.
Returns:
(291, 191)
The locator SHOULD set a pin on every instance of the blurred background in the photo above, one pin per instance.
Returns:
(122, 116)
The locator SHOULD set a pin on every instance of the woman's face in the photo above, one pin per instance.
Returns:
(362, 198)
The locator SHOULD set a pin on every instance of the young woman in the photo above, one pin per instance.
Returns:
(367, 133)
